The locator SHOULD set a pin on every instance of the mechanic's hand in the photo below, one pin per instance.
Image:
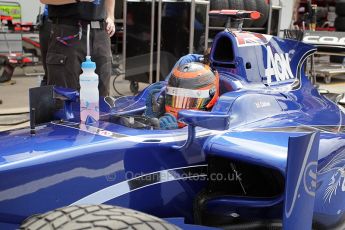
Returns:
(110, 26)
(154, 107)
(168, 121)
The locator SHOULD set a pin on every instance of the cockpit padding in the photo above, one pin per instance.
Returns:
(227, 83)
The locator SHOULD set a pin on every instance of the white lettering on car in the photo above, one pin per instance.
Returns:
(278, 65)
(262, 104)
(315, 39)
(311, 39)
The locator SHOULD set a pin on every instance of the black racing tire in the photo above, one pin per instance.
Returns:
(263, 7)
(339, 23)
(95, 217)
(340, 7)
(134, 87)
(6, 71)
(236, 5)
(3, 78)
(218, 5)
(251, 6)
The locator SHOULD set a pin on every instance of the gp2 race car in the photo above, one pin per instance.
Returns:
(270, 154)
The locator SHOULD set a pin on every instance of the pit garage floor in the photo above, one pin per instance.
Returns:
(15, 99)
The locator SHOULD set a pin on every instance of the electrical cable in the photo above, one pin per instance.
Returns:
(114, 85)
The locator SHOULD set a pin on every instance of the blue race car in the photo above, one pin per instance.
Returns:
(270, 154)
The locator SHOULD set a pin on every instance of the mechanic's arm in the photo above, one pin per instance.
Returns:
(62, 2)
(110, 20)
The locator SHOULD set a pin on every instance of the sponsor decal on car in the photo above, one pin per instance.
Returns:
(324, 40)
(278, 67)
(337, 181)
(309, 178)
(262, 104)
(251, 39)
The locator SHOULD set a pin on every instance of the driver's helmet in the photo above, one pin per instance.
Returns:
(193, 86)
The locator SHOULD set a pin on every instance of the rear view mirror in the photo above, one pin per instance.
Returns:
(208, 120)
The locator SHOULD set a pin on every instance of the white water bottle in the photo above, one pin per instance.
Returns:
(89, 95)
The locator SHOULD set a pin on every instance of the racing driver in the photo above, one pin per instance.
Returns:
(191, 85)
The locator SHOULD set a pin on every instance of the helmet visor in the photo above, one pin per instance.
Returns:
(181, 98)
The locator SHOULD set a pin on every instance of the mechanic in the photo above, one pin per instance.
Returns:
(67, 46)
(191, 85)
(44, 25)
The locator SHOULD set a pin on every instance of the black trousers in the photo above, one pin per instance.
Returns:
(44, 35)
(64, 60)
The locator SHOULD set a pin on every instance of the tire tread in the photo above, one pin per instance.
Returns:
(95, 217)
(218, 5)
(263, 8)
(251, 6)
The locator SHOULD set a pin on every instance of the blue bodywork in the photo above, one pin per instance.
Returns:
(268, 112)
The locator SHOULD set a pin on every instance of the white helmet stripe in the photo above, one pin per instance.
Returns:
(180, 92)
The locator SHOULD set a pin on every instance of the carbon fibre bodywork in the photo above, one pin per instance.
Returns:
(268, 100)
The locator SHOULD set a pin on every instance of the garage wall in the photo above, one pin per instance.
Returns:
(30, 9)
(286, 12)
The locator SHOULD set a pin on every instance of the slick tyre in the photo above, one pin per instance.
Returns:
(340, 7)
(95, 217)
(218, 5)
(251, 6)
(263, 7)
(339, 23)
(236, 5)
